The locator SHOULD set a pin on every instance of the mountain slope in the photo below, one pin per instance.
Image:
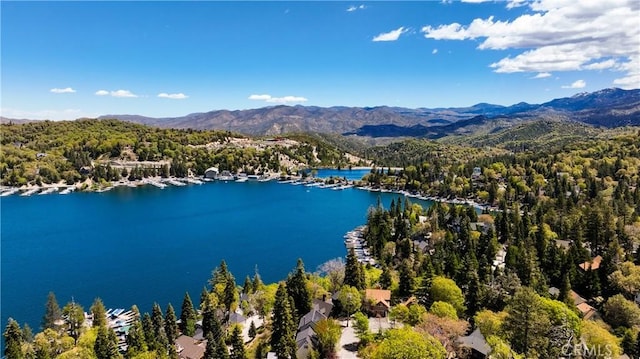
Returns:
(607, 108)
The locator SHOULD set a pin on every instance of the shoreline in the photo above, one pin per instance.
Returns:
(161, 182)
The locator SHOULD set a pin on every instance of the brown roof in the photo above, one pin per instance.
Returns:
(188, 349)
(577, 299)
(593, 265)
(378, 295)
(587, 311)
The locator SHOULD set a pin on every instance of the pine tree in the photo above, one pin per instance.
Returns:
(252, 330)
(13, 340)
(406, 285)
(157, 319)
(74, 314)
(170, 325)
(106, 345)
(52, 314)
(257, 281)
(222, 352)
(220, 275)
(187, 317)
(297, 290)
(237, 344)
(230, 292)
(247, 288)
(211, 348)
(149, 333)
(283, 328)
(204, 298)
(211, 323)
(352, 275)
(135, 337)
(99, 313)
(385, 278)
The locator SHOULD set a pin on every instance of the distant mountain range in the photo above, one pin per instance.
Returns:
(607, 108)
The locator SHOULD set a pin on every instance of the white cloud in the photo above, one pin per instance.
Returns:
(283, 100)
(260, 97)
(541, 75)
(391, 35)
(576, 85)
(62, 90)
(118, 93)
(354, 8)
(173, 96)
(434, 51)
(516, 3)
(602, 65)
(474, 1)
(559, 35)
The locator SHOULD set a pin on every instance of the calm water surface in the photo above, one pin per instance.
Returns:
(136, 246)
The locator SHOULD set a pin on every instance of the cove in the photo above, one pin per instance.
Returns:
(144, 245)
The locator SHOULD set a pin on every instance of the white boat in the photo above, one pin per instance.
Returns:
(9, 192)
(30, 192)
(49, 190)
(253, 177)
(174, 182)
(67, 190)
(194, 181)
(242, 179)
(154, 183)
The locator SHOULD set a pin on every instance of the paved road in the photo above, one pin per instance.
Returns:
(348, 342)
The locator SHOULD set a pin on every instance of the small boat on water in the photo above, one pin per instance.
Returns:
(30, 192)
(242, 179)
(194, 181)
(9, 192)
(67, 190)
(49, 190)
(174, 182)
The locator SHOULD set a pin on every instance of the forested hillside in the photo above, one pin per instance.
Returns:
(49, 152)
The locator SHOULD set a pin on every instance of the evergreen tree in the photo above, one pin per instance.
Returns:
(211, 323)
(211, 348)
(237, 344)
(106, 344)
(385, 278)
(187, 317)
(52, 314)
(223, 351)
(99, 313)
(406, 286)
(352, 274)
(257, 281)
(527, 324)
(170, 325)
(252, 330)
(230, 293)
(247, 288)
(27, 333)
(157, 319)
(297, 290)
(204, 298)
(149, 333)
(283, 328)
(565, 290)
(74, 314)
(220, 275)
(13, 340)
(135, 340)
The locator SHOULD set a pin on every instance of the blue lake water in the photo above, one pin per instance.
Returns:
(140, 245)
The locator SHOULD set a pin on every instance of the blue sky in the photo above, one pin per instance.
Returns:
(64, 60)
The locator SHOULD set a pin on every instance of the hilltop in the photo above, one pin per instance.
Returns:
(606, 108)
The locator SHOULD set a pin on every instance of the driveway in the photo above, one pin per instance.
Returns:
(348, 347)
